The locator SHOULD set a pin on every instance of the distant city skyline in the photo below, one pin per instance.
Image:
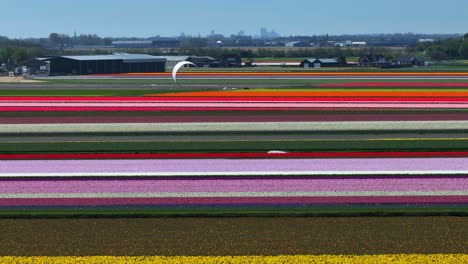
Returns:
(146, 18)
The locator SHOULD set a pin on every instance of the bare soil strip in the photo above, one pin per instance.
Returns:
(234, 236)
(5, 79)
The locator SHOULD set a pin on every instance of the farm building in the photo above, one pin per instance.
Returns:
(132, 44)
(225, 60)
(171, 61)
(153, 43)
(228, 60)
(376, 60)
(36, 66)
(105, 64)
(318, 63)
(201, 61)
(295, 44)
(162, 42)
(409, 61)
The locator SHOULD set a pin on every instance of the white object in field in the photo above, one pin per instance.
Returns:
(277, 152)
(178, 66)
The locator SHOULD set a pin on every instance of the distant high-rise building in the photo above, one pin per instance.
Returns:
(274, 34)
(265, 34)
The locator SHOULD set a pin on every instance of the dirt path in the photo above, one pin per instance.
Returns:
(6, 79)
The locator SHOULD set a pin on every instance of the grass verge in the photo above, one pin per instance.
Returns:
(236, 211)
(84, 146)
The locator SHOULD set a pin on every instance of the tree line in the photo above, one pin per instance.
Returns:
(56, 39)
(449, 49)
(13, 52)
(326, 52)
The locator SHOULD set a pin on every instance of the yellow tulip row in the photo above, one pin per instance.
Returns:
(397, 258)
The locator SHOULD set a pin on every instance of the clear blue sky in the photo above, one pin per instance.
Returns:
(144, 18)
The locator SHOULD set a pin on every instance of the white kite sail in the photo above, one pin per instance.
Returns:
(178, 66)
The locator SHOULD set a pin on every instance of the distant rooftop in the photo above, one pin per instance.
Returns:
(127, 58)
(120, 42)
(175, 58)
(326, 60)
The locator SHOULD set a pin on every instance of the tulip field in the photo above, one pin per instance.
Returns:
(330, 149)
(342, 172)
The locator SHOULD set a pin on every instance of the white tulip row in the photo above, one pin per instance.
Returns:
(235, 127)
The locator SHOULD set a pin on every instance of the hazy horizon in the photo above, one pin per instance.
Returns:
(145, 18)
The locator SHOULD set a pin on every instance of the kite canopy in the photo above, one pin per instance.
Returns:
(178, 66)
(276, 152)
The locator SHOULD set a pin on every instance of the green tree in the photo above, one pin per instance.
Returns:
(55, 38)
(35, 52)
(451, 48)
(463, 51)
(5, 54)
(20, 55)
(436, 52)
(341, 60)
(388, 56)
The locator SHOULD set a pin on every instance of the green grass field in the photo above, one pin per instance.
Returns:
(84, 92)
(238, 211)
(239, 82)
(135, 146)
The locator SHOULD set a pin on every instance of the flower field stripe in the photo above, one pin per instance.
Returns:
(276, 98)
(220, 105)
(92, 101)
(369, 194)
(319, 259)
(282, 93)
(239, 174)
(34, 118)
(155, 109)
(235, 126)
(319, 107)
(83, 98)
(222, 155)
(187, 167)
(394, 84)
(388, 184)
(449, 201)
(230, 73)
